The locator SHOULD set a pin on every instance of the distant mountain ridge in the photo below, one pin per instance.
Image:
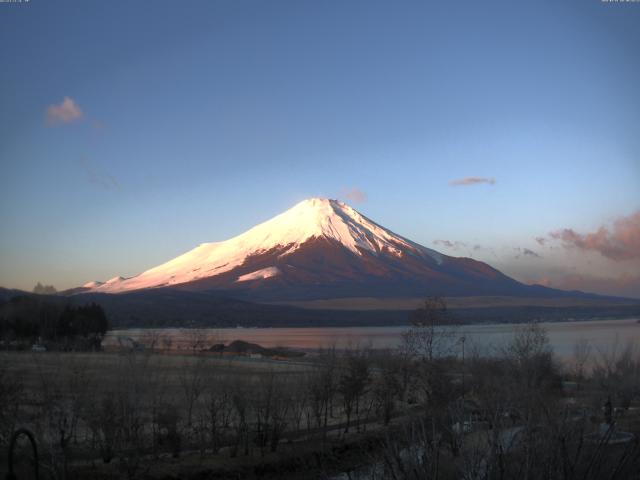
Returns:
(322, 249)
(312, 266)
(166, 307)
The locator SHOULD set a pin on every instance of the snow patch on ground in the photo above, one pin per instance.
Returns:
(259, 274)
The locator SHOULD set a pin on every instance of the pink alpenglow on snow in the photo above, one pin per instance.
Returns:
(259, 274)
(315, 218)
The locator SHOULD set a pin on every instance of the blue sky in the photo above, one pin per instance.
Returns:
(192, 121)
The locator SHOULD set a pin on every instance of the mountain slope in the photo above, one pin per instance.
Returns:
(283, 235)
(321, 249)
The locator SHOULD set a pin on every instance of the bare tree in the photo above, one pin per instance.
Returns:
(352, 383)
(196, 340)
(151, 340)
(432, 333)
(101, 417)
(617, 373)
(11, 396)
(412, 454)
(263, 404)
(581, 355)
(167, 342)
(219, 401)
(298, 387)
(240, 419)
(387, 388)
(270, 407)
(168, 418)
(322, 388)
(192, 380)
(135, 380)
(62, 393)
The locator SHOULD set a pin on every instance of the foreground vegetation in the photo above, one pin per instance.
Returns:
(51, 323)
(425, 410)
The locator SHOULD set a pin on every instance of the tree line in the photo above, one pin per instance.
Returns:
(53, 322)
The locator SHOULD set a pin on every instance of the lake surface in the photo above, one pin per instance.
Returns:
(602, 335)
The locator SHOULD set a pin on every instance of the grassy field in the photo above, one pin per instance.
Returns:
(99, 371)
(157, 398)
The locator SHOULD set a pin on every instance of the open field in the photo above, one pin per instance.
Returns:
(163, 394)
(105, 369)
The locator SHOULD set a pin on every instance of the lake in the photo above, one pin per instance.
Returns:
(602, 335)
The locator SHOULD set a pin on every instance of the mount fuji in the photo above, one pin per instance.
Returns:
(322, 249)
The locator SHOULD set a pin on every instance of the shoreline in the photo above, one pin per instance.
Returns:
(600, 332)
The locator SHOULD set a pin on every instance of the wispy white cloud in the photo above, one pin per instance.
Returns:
(526, 252)
(97, 177)
(541, 241)
(66, 112)
(467, 181)
(454, 245)
(354, 195)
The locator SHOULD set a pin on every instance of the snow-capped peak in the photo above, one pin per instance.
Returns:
(333, 219)
(113, 280)
(312, 218)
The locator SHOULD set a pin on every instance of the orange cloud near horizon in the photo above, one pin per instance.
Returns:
(620, 243)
